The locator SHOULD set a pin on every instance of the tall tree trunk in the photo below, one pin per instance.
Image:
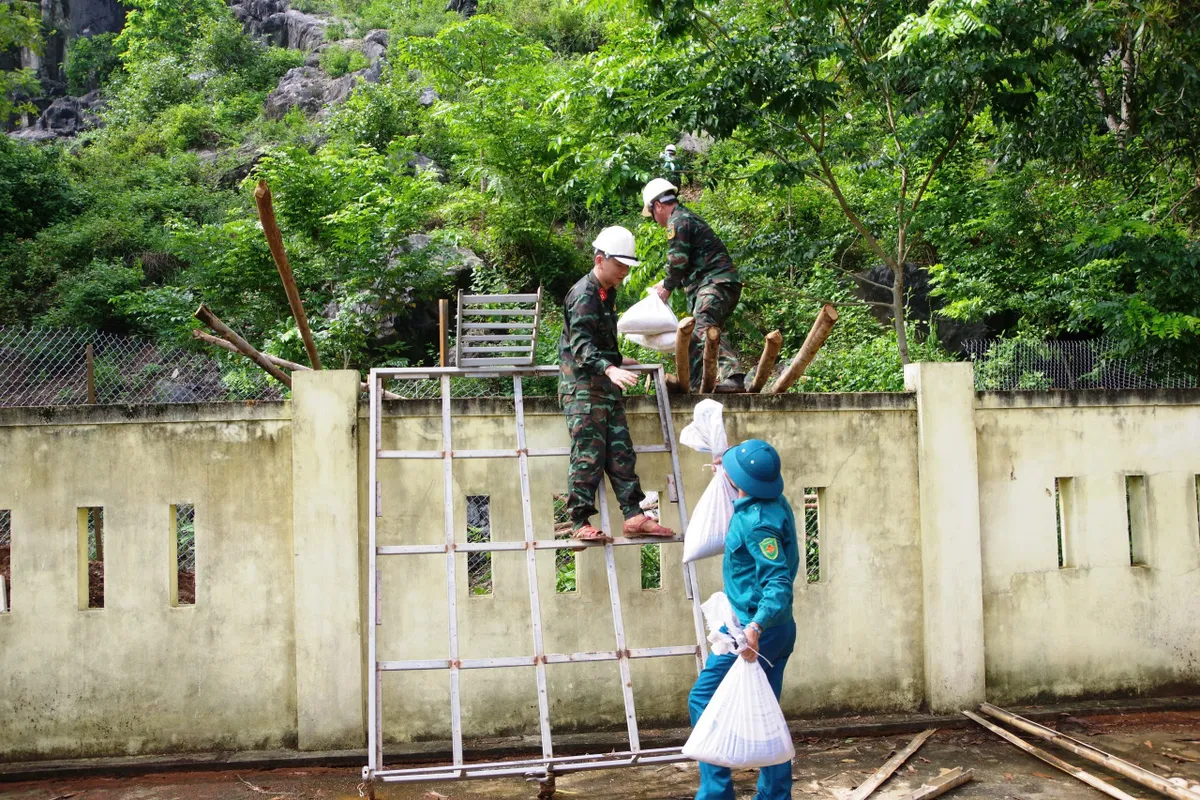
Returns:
(898, 312)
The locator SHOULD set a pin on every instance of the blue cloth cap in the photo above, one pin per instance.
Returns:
(753, 466)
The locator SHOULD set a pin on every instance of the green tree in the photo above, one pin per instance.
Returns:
(154, 28)
(866, 99)
(20, 26)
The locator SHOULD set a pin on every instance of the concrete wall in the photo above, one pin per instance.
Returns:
(1099, 625)
(140, 675)
(939, 580)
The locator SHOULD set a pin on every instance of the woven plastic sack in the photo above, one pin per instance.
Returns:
(743, 725)
(648, 316)
(709, 521)
(662, 342)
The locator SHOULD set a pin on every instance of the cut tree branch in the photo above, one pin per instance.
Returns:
(266, 213)
(245, 348)
(216, 341)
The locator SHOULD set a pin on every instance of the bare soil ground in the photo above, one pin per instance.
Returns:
(1165, 742)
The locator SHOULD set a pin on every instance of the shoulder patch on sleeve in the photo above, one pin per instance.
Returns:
(769, 547)
(671, 231)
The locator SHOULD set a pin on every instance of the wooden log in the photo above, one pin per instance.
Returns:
(217, 341)
(266, 213)
(245, 348)
(817, 335)
(443, 330)
(683, 364)
(942, 784)
(867, 787)
(1052, 760)
(712, 343)
(89, 357)
(276, 360)
(766, 362)
(1124, 768)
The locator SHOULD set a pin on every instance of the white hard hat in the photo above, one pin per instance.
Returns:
(671, 149)
(654, 190)
(617, 242)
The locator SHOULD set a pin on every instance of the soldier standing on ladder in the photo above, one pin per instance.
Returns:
(697, 262)
(589, 391)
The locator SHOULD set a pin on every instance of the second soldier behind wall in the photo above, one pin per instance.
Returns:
(589, 390)
(698, 263)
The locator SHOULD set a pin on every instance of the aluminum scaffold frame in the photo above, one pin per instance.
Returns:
(545, 767)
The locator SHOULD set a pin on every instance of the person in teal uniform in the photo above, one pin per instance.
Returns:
(762, 557)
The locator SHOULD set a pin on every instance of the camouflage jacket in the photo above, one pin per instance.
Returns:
(589, 339)
(695, 256)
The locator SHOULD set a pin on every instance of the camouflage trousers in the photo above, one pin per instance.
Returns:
(600, 443)
(713, 304)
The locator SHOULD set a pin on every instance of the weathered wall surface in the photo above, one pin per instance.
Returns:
(1098, 625)
(140, 675)
(860, 454)
(939, 577)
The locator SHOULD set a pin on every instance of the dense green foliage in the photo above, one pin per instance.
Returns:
(1040, 160)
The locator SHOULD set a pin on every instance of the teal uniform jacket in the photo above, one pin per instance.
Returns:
(762, 557)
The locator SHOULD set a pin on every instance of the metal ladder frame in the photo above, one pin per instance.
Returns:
(549, 764)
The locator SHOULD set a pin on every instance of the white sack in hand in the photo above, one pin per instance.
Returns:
(709, 522)
(743, 725)
(648, 316)
(662, 342)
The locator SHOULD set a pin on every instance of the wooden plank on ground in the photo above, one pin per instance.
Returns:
(942, 784)
(872, 783)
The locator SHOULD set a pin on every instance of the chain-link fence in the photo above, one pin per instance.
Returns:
(73, 366)
(1017, 364)
(185, 537)
(479, 531)
(5, 559)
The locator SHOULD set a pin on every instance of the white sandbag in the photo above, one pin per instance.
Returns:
(743, 725)
(648, 316)
(709, 522)
(662, 342)
(706, 432)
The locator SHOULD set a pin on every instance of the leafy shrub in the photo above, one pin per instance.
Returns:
(35, 190)
(87, 298)
(186, 126)
(154, 28)
(376, 114)
(338, 61)
(90, 61)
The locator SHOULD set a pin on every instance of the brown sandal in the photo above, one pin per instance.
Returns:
(590, 533)
(642, 525)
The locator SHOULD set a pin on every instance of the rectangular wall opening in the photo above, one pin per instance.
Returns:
(1137, 519)
(183, 543)
(91, 556)
(479, 531)
(5, 560)
(564, 560)
(812, 533)
(651, 554)
(1062, 501)
(651, 566)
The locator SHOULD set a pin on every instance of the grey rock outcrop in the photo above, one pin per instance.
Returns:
(312, 91)
(275, 22)
(294, 30)
(422, 163)
(65, 117)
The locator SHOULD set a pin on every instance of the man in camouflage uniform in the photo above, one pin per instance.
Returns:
(589, 391)
(697, 262)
